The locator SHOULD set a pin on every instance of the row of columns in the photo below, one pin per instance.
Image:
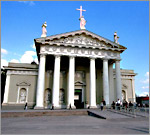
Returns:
(70, 96)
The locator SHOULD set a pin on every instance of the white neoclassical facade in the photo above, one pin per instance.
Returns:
(78, 44)
(74, 68)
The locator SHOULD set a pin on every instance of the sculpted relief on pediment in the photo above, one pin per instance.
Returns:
(80, 41)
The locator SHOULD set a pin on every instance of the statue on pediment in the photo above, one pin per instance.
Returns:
(82, 22)
(116, 38)
(44, 31)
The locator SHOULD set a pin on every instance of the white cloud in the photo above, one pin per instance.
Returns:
(32, 53)
(15, 61)
(3, 51)
(33, 46)
(28, 57)
(36, 60)
(145, 87)
(144, 94)
(31, 3)
(146, 81)
(4, 63)
(147, 74)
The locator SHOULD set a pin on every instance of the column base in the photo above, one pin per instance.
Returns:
(92, 107)
(38, 108)
(73, 107)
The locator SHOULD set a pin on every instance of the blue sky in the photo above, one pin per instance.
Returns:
(21, 23)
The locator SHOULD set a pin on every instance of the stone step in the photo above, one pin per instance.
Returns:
(131, 114)
(106, 114)
(34, 113)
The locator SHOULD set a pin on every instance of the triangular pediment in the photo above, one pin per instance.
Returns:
(23, 84)
(80, 38)
(79, 83)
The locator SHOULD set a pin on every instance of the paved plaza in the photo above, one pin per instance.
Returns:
(74, 125)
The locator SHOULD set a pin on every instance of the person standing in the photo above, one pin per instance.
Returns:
(118, 104)
(26, 106)
(70, 108)
(101, 105)
(52, 107)
(113, 105)
(104, 103)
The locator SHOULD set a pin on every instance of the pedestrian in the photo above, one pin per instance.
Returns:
(130, 106)
(26, 106)
(118, 104)
(102, 105)
(113, 105)
(124, 103)
(52, 107)
(70, 108)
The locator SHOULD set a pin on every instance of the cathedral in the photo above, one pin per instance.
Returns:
(75, 69)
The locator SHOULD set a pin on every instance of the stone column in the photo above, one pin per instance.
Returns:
(5, 101)
(133, 91)
(105, 81)
(111, 83)
(118, 80)
(92, 83)
(41, 83)
(56, 81)
(71, 81)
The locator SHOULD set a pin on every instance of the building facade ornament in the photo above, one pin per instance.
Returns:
(44, 31)
(79, 52)
(82, 20)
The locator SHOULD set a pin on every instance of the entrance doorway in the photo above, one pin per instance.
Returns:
(78, 99)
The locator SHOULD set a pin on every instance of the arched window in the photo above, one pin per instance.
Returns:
(23, 89)
(123, 95)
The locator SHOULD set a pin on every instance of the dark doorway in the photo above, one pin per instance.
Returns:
(78, 99)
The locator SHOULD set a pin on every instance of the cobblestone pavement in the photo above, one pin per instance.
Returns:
(73, 125)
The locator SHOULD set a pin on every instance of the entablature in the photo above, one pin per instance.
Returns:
(79, 52)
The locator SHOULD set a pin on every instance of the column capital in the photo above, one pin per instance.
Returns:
(117, 59)
(92, 58)
(105, 59)
(57, 55)
(72, 56)
(42, 54)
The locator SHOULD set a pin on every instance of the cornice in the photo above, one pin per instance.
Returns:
(48, 40)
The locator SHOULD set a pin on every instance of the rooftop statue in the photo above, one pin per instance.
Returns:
(82, 23)
(82, 20)
(44, 31)
(116, 38)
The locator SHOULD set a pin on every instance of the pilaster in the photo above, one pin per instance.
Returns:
(5, 101)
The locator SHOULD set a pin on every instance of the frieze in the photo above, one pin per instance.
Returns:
(83, 52)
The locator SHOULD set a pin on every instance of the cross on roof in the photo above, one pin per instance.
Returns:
(81, 11)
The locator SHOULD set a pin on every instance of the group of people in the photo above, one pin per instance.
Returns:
(119, 104)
